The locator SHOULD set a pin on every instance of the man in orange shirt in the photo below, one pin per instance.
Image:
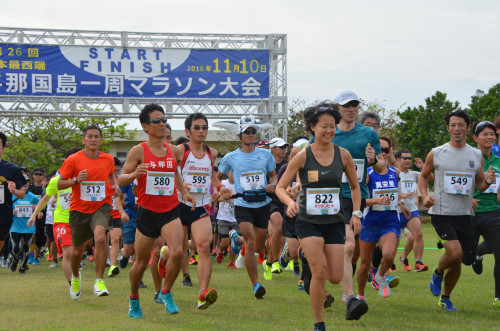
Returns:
(86, 172)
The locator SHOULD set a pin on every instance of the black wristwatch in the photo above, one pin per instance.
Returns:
(374, 162)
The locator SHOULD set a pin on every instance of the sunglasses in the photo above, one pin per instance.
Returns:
(481, 125)
(406, 157)
(37, 174)
(200, 127)
(157, 120)
(352, 103)
(386, 150)
(250, 131)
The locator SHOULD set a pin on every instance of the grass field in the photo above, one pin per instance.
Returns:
(40, 300)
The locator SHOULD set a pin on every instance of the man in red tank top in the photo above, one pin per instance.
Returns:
(154, 165)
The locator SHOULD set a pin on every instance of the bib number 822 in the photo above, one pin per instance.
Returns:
(323, 198)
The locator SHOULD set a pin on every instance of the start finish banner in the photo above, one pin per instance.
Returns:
(133, 72)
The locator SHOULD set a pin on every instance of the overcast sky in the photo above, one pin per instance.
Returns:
(394, 52)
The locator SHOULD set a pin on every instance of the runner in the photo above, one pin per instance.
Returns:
(20, 233)
(250, 165)
(486, 222)
(381, 223)
(37, 188)
(457, 168)
(118, 215)
(87, 172)
(154, 165)
(320, 218)
(11, 183)
(272, 266)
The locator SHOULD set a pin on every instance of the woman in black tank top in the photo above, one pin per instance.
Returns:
(320, 219)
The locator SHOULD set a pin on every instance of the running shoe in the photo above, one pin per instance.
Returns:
(49, 257)
(157, 297)
(374, 283)
(329, 299)
(296, 270)
(496, 303)
(477, 266)
(419, 266)
(193, 260)
(186, 280)
(113, 271)
(383, 288)
(259, 291)
(393, 281)
(123, 262)
(134, 308)
(300, 286)
(240, 261)
(22, 271)
(169, 303)
(344, 298)
(235, 246)
(13, 265)
(289, 266)
(30, 258)
(162, 263)
(275, 268)
(371, 274)
(142, 285)
(435, 284)
(392, 268)
(446, 304)
(36, 261)
(284, 256)
(54, 265)
(207, 298)
(220, 257)
(261, 258)
(405, 263)
(75, 289)
(320, 326)
(231, 265)
(214, 252)
(355, 308)
(100, 288)
(267, 271)
(4, 263)
(360, 297)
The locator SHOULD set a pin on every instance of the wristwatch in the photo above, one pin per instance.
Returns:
(74, 180)
(358, 214)
(374, 162)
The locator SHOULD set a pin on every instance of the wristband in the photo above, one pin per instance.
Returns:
(487, 182)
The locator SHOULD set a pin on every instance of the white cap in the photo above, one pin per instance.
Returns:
(248, 121)
(300, 142)
(277, 142)
(344, 97)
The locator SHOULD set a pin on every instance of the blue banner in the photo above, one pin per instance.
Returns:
(82, 71)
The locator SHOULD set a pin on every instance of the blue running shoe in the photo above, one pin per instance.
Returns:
(30, 258)
(284, 257)
(393, 281)
(235, 247)
(169, 303)
(435, 284)
(371, 274)
(259, 290)
(134, 308)
(36, 261)
(446, 304)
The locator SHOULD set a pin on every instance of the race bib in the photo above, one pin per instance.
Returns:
(252, 180)
(322, 201)
(24, 211)
(114, 204)
(408, 186)
(392, 193)
(359, 165)
(160, 183)
(64, 200)
(2, 194)
(200, 181)
(494, 187)
(92, 191)
(458, 182)
(229, 206)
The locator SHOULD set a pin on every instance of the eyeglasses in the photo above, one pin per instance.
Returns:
(37, 174)
(372, 125)
(406, 157)
(352, 103)
(481, 125)
(157, 120)
(200, 127)
(250, 131)
(386, 150)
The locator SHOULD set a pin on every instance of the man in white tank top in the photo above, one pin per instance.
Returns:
(457, 168)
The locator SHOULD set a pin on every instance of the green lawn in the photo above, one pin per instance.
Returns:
(40, 300)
